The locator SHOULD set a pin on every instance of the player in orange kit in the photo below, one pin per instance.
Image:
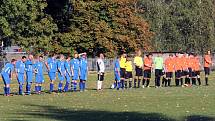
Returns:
(185, 66)
(178, 68)
(190, 63)
(207, 65)
(147, 70)
(193, 67)
(169, 69)
(197, 66)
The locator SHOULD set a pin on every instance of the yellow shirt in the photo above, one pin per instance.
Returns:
(138, 61)
(122, 62)
(128, 66)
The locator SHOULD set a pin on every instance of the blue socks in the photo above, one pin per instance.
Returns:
(20, 89)
(84, 85)
(115, 85)
(66, 87)
(118, 85)
(28, 88)
(40, 88)
(60, 85)
(6, 90)
(81, 86)
(36, 88)
(51, 87)
(74, 86)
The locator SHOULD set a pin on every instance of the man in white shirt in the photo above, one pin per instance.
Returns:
(101, 70)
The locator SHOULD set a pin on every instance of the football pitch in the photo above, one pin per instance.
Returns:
(148, 104)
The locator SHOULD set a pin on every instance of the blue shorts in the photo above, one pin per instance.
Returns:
(29, 76)
(60, 77)
(75, 74)
(117, 76)
(20, 78)
(52, 76)
(67, 77)
(83, 75)
(39, 79)
(6, 79)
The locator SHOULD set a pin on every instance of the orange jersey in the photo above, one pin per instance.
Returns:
(178, 63)
(184, 62)
(192, 62)
(189, 62)
(169, 65)
(196, 64)
(147, 63)
(207, 61)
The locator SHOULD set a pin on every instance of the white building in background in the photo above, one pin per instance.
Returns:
(13, 49)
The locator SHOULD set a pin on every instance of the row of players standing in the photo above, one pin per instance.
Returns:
(76, 68)
(185, 66)
(66, 68)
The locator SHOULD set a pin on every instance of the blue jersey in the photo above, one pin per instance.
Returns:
(61, 66)
(20, 67)
(67, 66)
(83, 64)
(7, 69)
(39, 68)
(116, 66)
(75, 64)
(52, 64)
(29, 66)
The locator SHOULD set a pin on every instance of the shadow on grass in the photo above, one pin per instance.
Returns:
(56, 113)
(199, 118)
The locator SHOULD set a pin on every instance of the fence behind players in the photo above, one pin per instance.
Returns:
(91, 61)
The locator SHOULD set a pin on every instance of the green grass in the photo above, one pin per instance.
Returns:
(149, 104)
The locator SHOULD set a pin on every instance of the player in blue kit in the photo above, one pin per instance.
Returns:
(39, 79)
(83, 71)
(29, 65)
(20, 70)
(51, 65)
(75, 68)
(6, 74)
(61, 72)
(68, 73)
(117, 73)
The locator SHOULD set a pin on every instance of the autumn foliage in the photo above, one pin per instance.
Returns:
(82, 25)
(108, 25)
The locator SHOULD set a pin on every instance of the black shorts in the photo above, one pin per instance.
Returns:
(185, 73)
(190, 72)
(129, 75)
(158, 72)
(207, 70)
(101, 77)
(193, 74)
(197, 73)
(169, 74)
(147, 73)
(178, 74)
(139, 71)
(122, 73)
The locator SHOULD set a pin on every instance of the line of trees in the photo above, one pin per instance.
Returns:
(63, 26)
(186, 25)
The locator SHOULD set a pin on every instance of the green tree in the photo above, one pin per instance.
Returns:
(24, 23)
(181, 25)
